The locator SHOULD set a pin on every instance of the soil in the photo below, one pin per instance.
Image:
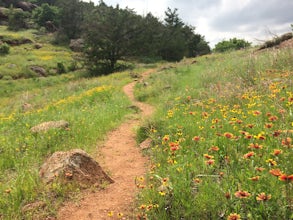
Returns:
(123, 160)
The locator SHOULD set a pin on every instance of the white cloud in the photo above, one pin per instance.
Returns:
(222, 19)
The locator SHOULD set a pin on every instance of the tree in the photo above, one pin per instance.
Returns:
(46, 13)
(232, 44)
(17, 19)
(109, 35)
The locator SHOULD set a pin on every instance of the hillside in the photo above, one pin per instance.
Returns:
(221, 135)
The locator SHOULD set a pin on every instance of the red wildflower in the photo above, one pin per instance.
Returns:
(228, 135)
(255, 178)
(196, 138)
(248, 155)
(287, 141)
(273, 118)
(214, 148)
(259, 169)
(210, 162)
(268, 125)
(250, 125)
(285, 177)
(263, 197)
(276, 172)
(234, 216)
(208, 156)
(255, 146)
(277, 133)
(242, 194)
(277, 152)
(256, 113)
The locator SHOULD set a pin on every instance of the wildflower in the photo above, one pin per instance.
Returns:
(196, 138)
(228, 135)
(250, 125)
(120, 215)
(259, 169)
(242, 194)
(174, 146)
(214, 148)
(277, 152)
(228, 195)
(110, 213)
(255, 178)
(275, 172)
(248, 155)
(208, 156)
(234, 216)
(287, 141)
(210, 162)
(277, 133)
(263, 197)
(271, 162)
(273, 118)
(268, 125)
(166, 138)
(142, 207)
(285, 177)
(255, 113)
(255, 146)
(197, 180)
(205, 114)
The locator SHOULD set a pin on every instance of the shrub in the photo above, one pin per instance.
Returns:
(232, 44)
(4, 48)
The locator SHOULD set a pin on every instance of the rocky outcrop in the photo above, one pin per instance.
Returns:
(74, 166)
(76, 45)
(26, 6)
(39, 70)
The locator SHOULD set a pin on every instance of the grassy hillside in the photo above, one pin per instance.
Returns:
(222, 138)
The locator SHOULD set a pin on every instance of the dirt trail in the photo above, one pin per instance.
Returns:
(122, 159)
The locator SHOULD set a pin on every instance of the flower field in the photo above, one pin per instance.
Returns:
(224, 149)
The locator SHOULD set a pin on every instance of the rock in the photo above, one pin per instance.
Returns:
(50, 27)
(146, 144)
(39, 70)
(26, 107)
(45, 126)
(74, 166)
(26, 6)
(38, 46)
(76, 45)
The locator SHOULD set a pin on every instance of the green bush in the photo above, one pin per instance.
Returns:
(232, 44)
(4, 49)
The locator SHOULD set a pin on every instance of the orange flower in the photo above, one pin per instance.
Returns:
(277, 133)
(268, 125)
(255, 178)
(285, 177)
(196, 138)
(277, 152)
(248, 155)
(210, 162)
(276, 172)
(208, 156)
(287, 141)
(263, 197)
(259, 169)
(214, 148)
(255, 113)
(234, 216)
(255, 146)
(273, 118)
(228, 135)
(242, 194)
(166, 138)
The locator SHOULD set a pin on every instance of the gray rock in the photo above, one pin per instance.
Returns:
(45, 126)
(39, 70)
(74, 165)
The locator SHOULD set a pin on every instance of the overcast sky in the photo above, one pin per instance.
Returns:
(219, 20)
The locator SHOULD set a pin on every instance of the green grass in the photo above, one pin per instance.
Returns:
(92, 106)
(17, 64)
(222, 127)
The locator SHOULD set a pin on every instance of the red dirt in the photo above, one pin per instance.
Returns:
(123, 160)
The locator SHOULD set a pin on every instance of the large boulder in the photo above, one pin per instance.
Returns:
(76, 45)
(45, 126)
(74, 166)
(39, 70)
(26, 6)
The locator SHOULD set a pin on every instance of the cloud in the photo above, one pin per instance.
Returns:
(222, 19)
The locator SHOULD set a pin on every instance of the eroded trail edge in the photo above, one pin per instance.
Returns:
(123, 160)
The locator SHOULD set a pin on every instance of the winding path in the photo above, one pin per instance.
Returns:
(123, 160)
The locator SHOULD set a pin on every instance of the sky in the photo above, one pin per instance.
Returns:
(217, 20)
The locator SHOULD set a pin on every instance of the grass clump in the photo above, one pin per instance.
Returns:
(222, 139)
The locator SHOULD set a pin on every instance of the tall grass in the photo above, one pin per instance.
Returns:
(222, 139)
(91, 106)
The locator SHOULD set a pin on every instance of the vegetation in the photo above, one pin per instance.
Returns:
(222, 138)
(232, 44)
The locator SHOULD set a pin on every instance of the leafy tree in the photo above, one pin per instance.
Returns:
(46, 13)
(17, 19)
(232, 44)
(109, 35)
